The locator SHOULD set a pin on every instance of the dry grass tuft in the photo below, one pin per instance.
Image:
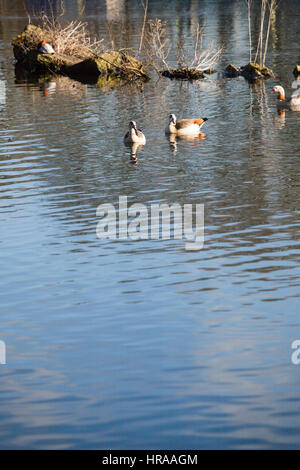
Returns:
(68, 39)
(72, 39)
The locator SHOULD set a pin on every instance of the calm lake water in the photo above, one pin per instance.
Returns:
(142, 344)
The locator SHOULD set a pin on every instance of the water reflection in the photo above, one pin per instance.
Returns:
(279, 118)
(173, 139)
(135, 148)
(115, 10)
(48, 88)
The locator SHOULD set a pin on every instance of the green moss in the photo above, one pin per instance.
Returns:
(54, 62)
(110, 63)
(251, 71)
(50, 63)
(254, 71)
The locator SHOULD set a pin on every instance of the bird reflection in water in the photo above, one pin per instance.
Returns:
(48, 88)
(279, 118)
(173, 139)
(135, 148)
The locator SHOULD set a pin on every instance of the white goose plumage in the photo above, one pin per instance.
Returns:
(184, 127)
(134, 135)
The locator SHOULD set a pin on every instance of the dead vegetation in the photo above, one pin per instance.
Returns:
(256, 68)
(267, 11)
(70, 39)
(198, 58)
(157, 46)
(191, 63)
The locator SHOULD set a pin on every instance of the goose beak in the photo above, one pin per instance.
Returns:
(272, 91)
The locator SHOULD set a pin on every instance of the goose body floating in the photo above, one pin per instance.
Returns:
(283, 102)
(184, 126)
(134, 135)
(45, 48)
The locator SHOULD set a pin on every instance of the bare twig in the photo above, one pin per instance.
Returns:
(157, 46)
(249, 29)
(263, 38)
(144, 24)
(202, 58)
(272, 6)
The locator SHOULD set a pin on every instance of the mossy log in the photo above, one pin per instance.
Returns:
(47, 63)
(113, 63)
(232, 71)
(209, 71)
(250, 71)
(254, 71)
(183, 74)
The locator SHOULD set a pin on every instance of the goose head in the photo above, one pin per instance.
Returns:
(42, 43)
(278, 89)
(172, 119)
(132, 125)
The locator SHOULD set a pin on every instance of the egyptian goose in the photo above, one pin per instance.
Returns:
(134, 135)
(184, 126)
(45, 48)
(282, 101)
